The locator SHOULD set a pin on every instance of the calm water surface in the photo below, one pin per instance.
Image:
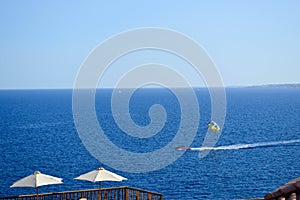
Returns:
(38, 133)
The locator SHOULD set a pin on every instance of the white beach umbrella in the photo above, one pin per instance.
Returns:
(100, 175)
(36, 180)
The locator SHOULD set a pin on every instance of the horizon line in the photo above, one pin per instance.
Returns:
(282, 85)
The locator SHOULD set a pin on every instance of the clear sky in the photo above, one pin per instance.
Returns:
(43, 43)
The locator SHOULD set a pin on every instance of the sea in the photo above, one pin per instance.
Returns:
(257, 151)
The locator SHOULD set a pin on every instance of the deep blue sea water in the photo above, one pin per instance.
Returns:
(38, 133)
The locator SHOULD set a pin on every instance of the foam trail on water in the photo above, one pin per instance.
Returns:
(246, 146)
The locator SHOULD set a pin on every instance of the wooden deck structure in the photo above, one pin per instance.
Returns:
(288, 191)
(118, 193)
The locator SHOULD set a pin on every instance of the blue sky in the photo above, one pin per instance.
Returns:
(43, 43)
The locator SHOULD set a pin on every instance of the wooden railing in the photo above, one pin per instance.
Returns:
(118, 193)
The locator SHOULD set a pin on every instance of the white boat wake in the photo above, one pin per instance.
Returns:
(245, 146)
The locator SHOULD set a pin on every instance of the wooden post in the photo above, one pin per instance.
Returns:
(126, 194)
(298, 195)
(100, 194)
(149, 196)
(137, 194)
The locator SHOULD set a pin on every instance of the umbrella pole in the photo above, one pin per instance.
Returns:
(100, 192)
(37, 193)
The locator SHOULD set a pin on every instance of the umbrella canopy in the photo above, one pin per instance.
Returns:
(99, 175)
(37, 179)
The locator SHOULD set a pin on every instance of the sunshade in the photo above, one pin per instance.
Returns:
(36, 180)
(100, 175)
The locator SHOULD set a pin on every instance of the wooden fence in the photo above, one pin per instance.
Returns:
(118, 193)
